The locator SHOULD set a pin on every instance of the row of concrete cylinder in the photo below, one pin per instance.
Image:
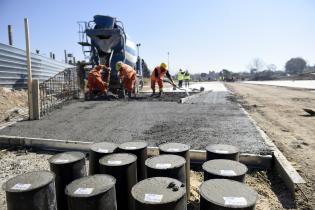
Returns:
(126, 178)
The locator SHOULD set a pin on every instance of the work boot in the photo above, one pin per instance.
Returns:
(152, 94)
(160, 94)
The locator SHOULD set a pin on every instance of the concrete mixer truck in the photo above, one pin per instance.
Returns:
(104, 41)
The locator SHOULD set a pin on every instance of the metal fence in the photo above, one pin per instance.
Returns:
(13, 67)
(58, 90)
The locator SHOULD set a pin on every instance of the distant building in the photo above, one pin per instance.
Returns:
(212, 76)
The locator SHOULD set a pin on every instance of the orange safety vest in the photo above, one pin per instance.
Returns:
(94, 74)
(127, 72)
(160, 73)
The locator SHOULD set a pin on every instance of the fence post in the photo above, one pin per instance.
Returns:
(66, 58)
(36, 100)
(29, 70)
(10, 35)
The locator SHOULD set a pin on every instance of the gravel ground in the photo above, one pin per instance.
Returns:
(13, 163)
(210, 118)
(271, 193)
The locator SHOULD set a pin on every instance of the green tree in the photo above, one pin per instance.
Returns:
(295, 66)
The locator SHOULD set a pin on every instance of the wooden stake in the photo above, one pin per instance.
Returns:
(36, 100)
(29, 70)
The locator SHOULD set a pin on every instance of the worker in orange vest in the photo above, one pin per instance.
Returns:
(127, 75)
(95, 81)
(158, 75)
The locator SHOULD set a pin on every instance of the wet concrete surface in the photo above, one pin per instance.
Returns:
(146, 97)
(208, 118)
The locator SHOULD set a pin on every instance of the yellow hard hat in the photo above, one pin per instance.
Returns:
(118, 65)
(99, 66)
(164, 66)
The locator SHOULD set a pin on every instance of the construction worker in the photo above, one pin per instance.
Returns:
(95, 82)
(127, 75)
(186, 78)
(157, 77)
(180, 78)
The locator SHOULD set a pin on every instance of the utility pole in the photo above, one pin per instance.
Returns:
(138, 51)
(10, 35)
(29, 70)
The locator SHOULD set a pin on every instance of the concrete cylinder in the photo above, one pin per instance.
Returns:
(31, 191)
(123, 167)
(97, 151)
(172, 166)
(67, 167)
(222, 151)
(224, 169)
(160, 193)
(139, 149)
(180, 150)
(92, 192)
(226, 194)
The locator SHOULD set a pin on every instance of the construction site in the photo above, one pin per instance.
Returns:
(98, 133)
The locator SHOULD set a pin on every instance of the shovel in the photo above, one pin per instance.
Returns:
(176, 87)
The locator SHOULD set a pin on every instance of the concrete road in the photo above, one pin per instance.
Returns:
(208, 118)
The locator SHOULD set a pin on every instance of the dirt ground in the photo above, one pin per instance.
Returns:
(271, 196)
(279, 112)
(13, 104)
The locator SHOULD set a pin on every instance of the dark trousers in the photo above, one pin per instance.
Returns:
(180, 83)
(186, 82)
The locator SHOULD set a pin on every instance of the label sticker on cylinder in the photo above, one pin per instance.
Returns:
(173, 150)
(102, 150)
(131, 147)
(114, 162)
(83, 191)
(228, 172)
(20, 186)
(154, 198)
(238, 201)
(222, 151)
(61, 161)
(163, 165)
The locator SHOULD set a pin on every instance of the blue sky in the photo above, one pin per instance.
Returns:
(201, 35)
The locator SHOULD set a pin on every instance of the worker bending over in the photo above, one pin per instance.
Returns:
(158, 75)
(127, 75)
(95, 81)
(187, 78)
(180, 78)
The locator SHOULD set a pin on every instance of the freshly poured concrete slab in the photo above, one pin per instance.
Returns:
(210, 118)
